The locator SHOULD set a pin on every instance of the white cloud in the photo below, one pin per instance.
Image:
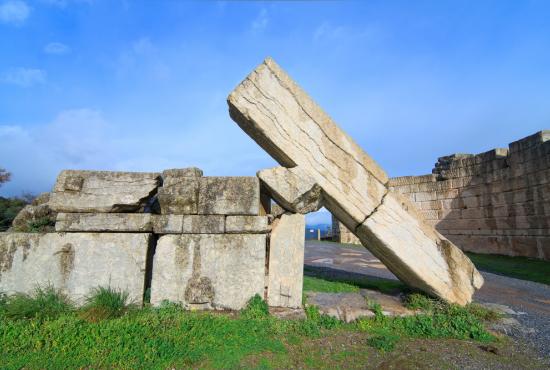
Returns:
(56, 48)
(329, 31)
(143, 46)
(24, 77)
(14, 12)
(261, 21)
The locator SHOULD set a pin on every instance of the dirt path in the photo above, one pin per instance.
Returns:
(529, 300)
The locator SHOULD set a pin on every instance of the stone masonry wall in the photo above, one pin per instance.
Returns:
(200, 241)
(496, 202)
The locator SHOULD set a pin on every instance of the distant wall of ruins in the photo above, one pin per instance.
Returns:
(495, 202)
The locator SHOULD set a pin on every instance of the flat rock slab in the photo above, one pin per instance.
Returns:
(76, 263)
(272, 109)
(221, 271)
(103, 191)
(349, 307)
(104, 222)
(285, 313)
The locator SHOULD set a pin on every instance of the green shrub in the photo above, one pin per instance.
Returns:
(9, 208)
(40, 225)
(105, 303)
(322, 321)
(256, 308)
(43, 303)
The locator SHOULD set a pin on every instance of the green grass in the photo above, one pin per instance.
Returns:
(168, 336)
(44, 303)
(105, 303)
(317, 281)
(518, 267)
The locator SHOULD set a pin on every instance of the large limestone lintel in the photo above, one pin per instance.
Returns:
(209, 271)
(75, 263)
(103, 191)
(104, 222)
(283, 120)
(286, 261)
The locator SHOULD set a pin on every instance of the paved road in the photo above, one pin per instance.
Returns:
(531, 300)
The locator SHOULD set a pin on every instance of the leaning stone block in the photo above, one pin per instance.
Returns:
(209, 271)
(247, 224)
(75, 263)
(104, 222)
(293, 189)
(286, 261)
(229, 196)
(272, 109)
(103, 191)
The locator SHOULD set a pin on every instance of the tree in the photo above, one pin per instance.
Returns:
(4, 176)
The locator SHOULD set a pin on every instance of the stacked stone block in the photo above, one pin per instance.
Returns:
(200, 241)
(495, 202)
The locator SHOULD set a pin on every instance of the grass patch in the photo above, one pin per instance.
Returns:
(169, 337)
(105, 303)
(518, 267)
(44, 303)
(318, 280)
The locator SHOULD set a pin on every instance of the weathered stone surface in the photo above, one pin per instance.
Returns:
(73, 262)
(174, 176)
(293, 189)
(286, 261)
(203, 224)
(283, 120)
(104, 222)
(229, 196)
(247, 224)
(103, 191)
(181, 197)
(209, 271)
(188, 224)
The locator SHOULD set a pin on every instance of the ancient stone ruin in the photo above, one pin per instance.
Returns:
(495, 202)
(213, 242)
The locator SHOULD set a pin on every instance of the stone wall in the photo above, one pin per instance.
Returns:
(200, 241)
(495, 202)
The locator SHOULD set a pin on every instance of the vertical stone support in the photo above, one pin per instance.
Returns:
(286, 261)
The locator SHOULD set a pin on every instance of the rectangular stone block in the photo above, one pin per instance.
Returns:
(209, 271)
(229, 196)
(189, 224)
(286, 261)
(247, 224)
(103, 191)
(181, 198)
(104, 222)
(75, 263)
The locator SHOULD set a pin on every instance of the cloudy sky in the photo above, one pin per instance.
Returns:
(141, 85)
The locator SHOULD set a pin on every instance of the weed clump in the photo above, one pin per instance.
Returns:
(106, 303)
(256, 308)
(43, 303)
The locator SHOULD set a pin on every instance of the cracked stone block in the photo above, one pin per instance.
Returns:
(293, 189)
(104, 222)
(274, 111)
(286, 261)
(247, 224)
(103, 191)
(220, 271)
(75, 263)
(229, 196)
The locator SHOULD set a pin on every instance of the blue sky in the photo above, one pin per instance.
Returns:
(141, 85)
